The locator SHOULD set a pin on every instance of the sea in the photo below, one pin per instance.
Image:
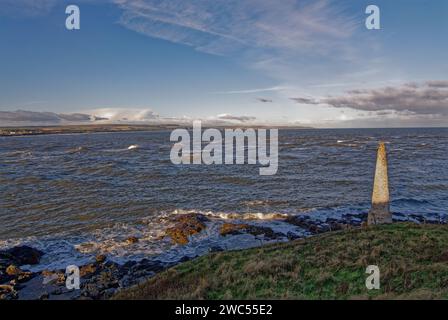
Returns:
(78, 195)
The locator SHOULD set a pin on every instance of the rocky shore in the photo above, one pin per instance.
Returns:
(102, 278)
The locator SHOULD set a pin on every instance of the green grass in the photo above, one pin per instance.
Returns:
(413, 260)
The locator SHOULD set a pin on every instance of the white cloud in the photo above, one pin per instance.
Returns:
(125, 114)
(230, 117)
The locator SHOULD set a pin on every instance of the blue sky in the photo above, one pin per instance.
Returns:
(271, 62)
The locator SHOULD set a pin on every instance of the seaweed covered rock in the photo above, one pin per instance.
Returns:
(7, 292)
(185, 226)
(232, 228)
(13, 270)
(132, 240)
(53, 277)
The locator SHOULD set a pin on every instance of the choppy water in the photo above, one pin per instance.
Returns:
(77, 195)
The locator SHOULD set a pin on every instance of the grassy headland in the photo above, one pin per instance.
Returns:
(413, 261)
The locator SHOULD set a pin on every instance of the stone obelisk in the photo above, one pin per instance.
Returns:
(380, 213)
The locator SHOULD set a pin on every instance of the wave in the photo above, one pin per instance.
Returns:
(77, 150)
(409, 201)
(235, 215)
(63, 249)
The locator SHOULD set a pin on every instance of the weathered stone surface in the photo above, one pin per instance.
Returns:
(25, 276)
(53, 277)
(315, 226)
(100, 258)
(131, 240)
(232, 228)
(185, 226)
(304, 222)
(235, 228)
(7, 292)
(87, 270)
(13, 270)
(380, 211)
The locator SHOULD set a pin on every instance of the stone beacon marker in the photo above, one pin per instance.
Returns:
(379, 213)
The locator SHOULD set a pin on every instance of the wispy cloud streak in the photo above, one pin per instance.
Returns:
(226, 26)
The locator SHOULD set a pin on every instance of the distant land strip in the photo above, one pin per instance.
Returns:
(71, 129)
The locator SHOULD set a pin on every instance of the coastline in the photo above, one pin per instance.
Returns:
(79, 129)
(411, 258)
(15, 131)
(103, 278)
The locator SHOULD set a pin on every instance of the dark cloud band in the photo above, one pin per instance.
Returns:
(430, 97)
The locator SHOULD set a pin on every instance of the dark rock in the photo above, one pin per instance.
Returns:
(185, 259)
(233, 229)
(264, 231)
(148, 265)
(5, 260)
(186, 226)
(293, 236)
(4, 278)
(57, 292)
(330, 224)
(300, 222)
(7, 292)
(100, 258)
(23, 255)
(87, 270)
(53, 277)
(334, 224)
(25, 276)
(44, 296)
(91, 290)
(313, 227)
(216, 249)
(106, 276)
(129, 264)
(131, 240)
(108, 293)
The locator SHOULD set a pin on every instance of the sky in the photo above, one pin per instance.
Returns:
(288, 62)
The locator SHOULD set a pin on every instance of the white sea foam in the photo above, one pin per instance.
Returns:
(64, 249)
(236, 215)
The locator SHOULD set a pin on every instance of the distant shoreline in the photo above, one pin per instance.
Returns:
(107, 128)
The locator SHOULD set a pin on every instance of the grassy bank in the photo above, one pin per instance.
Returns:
(413, 260)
